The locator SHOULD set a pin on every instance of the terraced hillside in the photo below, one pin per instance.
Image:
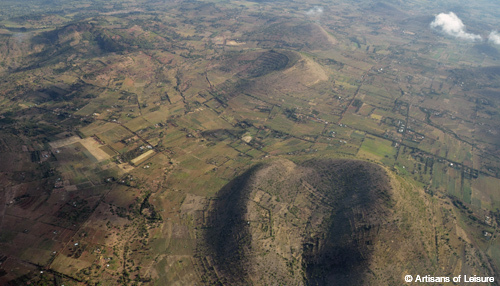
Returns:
(247, 142)
(319, 222)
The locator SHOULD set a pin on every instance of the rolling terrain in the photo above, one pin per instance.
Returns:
(246, 143)
(322, 222)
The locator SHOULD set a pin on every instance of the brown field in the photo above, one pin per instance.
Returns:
(235, 143)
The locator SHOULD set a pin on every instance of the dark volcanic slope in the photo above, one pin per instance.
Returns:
(267, 62)
(229, 234)
(283, 223)
(357, 194)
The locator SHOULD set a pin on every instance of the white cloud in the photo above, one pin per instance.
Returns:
(453, 26)
(315, 11)
(494, 37)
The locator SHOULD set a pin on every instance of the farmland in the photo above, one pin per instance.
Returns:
(163, 143)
